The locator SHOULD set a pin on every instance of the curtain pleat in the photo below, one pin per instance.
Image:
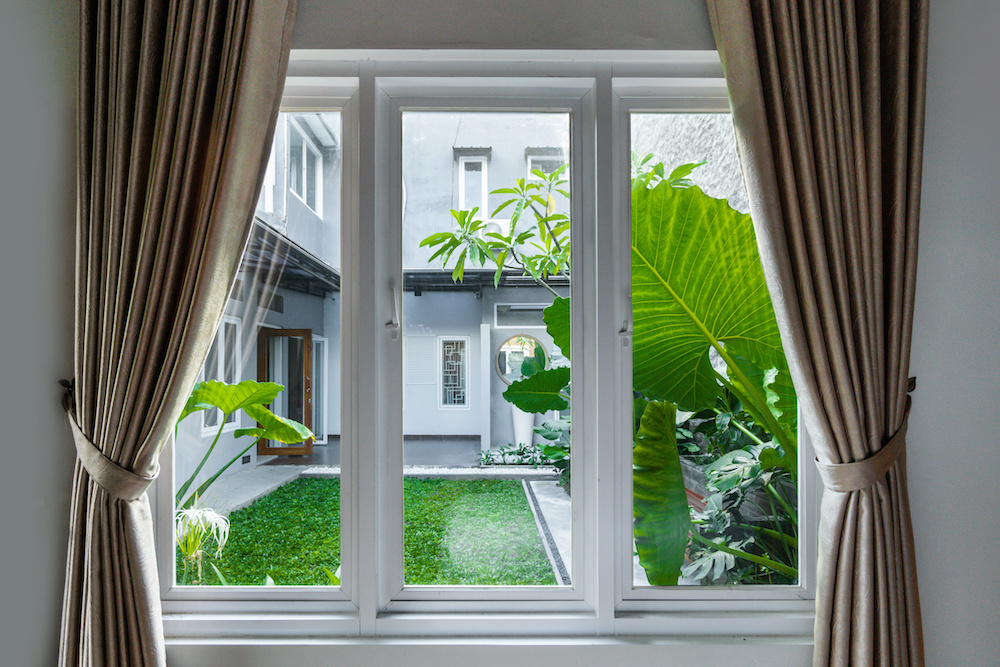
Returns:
(177, 106)
(828, 106)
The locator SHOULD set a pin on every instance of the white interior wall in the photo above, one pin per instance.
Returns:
(952, 437)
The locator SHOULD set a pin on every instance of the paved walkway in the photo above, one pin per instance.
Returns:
(554, 518)
(239, 490)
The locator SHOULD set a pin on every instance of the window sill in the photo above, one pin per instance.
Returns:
(709, 626)
(490, 651)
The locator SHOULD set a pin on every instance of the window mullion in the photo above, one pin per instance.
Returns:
(367, 344)
(605, 341)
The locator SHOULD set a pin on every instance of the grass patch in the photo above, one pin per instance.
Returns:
(290, 534)
(470, 532)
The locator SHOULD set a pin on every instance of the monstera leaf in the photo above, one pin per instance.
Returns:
(662, 522)
(698, 285)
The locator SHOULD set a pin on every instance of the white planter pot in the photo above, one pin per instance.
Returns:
(524, 425)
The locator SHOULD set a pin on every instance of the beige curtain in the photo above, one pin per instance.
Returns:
(177, 105)
(828, 104)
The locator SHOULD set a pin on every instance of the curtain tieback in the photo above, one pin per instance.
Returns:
(119, 482)
(859, 475)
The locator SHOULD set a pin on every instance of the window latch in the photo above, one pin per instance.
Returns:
(393, 324)
(625, 333)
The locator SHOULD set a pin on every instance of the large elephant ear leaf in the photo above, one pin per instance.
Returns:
(541, 392)
(273, 427)
(697, 282)
(230, 397)
(775, 384)
(556, 318)
(662, 522)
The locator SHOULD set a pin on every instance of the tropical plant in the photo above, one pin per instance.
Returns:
(251, 397)
(705, 341)
(538, 248)
(698, 294)
(556, 431)
(662, 523)
(194, 527)
(519, 454)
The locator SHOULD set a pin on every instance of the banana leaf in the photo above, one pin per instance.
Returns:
(662, 522)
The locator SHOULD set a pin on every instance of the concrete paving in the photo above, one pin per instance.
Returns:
(236, 491)
(554, 517)
(455, 452)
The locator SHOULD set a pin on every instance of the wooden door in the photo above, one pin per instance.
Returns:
(285, 356)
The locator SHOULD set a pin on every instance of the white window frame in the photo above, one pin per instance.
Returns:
(220, 360)
(441, 340)
(484, 185)
(532, 157)
(598, 90)
(321, 379)
(639, 94)
(309, 150)
(516, 306)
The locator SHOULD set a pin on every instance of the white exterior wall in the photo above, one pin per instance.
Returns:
(433, 315)
(429, 165)
(958, 313)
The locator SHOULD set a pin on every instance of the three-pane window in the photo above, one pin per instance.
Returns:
(548, 288)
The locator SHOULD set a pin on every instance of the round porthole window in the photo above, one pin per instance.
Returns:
(520, 356)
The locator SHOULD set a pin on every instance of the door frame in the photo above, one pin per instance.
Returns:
(263, 335)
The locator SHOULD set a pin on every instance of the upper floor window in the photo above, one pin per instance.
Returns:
(545, 159)
(305, 166)
(473, 179)
(223, 364)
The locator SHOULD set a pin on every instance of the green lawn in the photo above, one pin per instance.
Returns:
(471, 532)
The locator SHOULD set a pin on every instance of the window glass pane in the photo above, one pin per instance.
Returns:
(230, 353)
(319, 389)
(473, 186)
(286, 361)
(519, 315)
(543, 163)
(211, 372)
(231, 348)
(296, 162)
(478, 508)
(287, 291)
(312, 179)
(714, 441)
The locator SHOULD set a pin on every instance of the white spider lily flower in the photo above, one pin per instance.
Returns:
(196, 524)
